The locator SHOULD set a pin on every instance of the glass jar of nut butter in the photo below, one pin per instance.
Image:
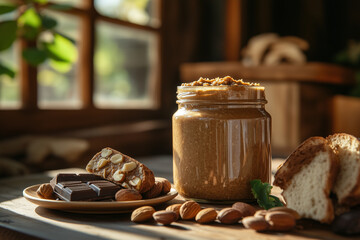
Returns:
(221, 139)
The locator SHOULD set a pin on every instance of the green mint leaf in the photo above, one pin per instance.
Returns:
(261, 192)
(6, 8)
(8, 36)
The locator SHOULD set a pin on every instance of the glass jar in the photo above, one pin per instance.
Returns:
(221, 141)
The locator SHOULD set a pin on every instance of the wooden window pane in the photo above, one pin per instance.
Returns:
(126, 62)
(10, 87)
(58, 87)
(143, 12)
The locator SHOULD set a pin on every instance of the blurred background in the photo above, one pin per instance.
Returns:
(80, 75)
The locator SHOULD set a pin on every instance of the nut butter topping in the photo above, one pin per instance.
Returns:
(221, 89)
(225, 81)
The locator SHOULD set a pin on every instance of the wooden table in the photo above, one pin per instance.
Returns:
(19, 217)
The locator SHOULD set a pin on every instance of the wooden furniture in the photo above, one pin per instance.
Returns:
(298, 95)
(19, 217)
(346, 114)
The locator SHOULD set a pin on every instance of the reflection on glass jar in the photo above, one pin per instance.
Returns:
(221, 141)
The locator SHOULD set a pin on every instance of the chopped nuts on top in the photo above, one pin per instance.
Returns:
(128, 167)
(102, 163)
(117, 158)
(106, 152)
(119, 176)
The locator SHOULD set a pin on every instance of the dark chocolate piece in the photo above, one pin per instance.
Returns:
(104, 188)
(83, 187)
(74, 191)
(65, 177)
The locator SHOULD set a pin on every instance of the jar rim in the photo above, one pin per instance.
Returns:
(219, 87)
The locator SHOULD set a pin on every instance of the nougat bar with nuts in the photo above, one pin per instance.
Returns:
(121, 169)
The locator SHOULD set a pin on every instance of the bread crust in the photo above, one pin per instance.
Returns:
(353, 198)
(303, 156)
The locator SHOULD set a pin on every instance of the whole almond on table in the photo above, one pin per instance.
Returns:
(294, 213)
(175, 208)
(206, 215)
(229, 216)
(165, 217)
(166, 185)
(154, 191)
(127, 195)
(256, 223)
(244, 208)
(280, 221)
(142, 214)
(260, 213)
(189, 209)
(45, 191)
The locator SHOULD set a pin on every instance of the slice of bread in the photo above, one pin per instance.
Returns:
(307, 177)
(121, 169)
(347, 185)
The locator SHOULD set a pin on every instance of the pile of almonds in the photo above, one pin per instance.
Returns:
(275, 219)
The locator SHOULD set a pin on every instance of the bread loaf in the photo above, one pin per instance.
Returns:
(307, 177)
(121, 169)
(347, 185)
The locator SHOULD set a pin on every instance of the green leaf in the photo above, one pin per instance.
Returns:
(61, 49)
(8, 34)
(261, 192)
(48, 22)
(6, 8)
(41, 1)
(59, 66)
(62, 7)
(34, 56)
(6, 71)
(31, 22)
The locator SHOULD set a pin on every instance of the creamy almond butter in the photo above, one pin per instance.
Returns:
(221, 139)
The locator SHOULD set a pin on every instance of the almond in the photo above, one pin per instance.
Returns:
(165, 217)
(257, 223)
(260, 213)
(206, 215)
(166, 184)
(294, 213)
(142, 214)
(280, 221)
(189, 209)
(127, 195)
(229, 216)
(154, 191)
(175, 208)
(244, 208)
(45, 191)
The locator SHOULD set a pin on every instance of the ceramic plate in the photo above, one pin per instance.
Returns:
(94, 207)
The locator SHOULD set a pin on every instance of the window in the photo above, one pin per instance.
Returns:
(118, 45)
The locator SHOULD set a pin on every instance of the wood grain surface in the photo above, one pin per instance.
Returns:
(20, 216)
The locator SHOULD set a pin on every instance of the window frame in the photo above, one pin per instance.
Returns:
(30, 119)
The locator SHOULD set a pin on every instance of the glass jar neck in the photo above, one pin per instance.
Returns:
(221, 95)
